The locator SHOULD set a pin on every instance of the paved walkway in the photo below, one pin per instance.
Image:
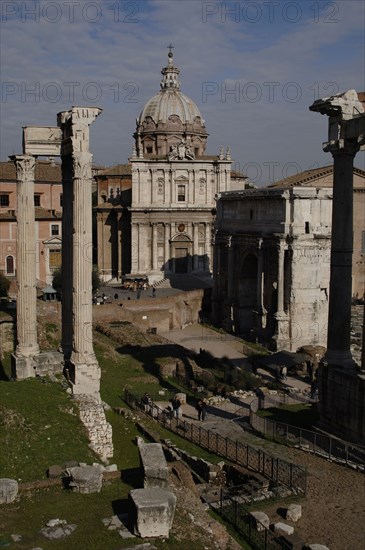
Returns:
(196, 337)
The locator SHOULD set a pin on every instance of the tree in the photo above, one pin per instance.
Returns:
(57, 279)
(4, 285)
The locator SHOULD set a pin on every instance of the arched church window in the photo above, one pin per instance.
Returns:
(9, 265)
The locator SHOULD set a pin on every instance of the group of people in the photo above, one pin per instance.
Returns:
(176, 406)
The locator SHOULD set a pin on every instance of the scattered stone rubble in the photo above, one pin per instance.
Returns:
(283, 530)
(8, 490)
(57, 529)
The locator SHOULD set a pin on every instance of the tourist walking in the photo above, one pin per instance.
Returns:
(198, 408)
(204, 410)
(176, 407)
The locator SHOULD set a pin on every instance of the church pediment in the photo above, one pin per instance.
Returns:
(53, 241)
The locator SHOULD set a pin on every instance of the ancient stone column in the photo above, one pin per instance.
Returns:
(67, 256)
(85, 371)
(281, 334)
(27, 347)
(338, 339)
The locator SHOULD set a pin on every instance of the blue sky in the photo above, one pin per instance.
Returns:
(252, 67)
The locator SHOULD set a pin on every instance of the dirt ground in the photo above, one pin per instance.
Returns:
(333, 513)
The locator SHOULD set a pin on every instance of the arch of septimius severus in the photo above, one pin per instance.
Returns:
(70, 141)
(342, 383)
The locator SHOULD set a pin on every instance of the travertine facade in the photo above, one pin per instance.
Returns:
(271, 275)
(323, 177)
(173, 185)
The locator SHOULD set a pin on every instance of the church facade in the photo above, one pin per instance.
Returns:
(174, 185)
(156, 215)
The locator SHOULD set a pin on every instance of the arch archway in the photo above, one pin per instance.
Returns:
(181, 248)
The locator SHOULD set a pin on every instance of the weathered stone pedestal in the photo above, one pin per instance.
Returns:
(43, 364)
(342, 402)
(152, 512)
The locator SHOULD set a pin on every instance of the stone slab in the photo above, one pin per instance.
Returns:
(283, 529)
(154, 465)
(42, 140)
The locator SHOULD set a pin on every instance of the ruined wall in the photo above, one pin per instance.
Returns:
(7, 336)
(165, 313)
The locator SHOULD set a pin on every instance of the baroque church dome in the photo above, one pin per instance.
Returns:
(169, 118)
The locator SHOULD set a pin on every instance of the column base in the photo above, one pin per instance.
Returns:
(42, 364)
(343, 359)
(281, 339)
(22, 367)
(85, 378)
(342, 402)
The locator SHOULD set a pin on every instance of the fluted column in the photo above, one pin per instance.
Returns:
(27, 346)
(85, 371)
(282, 333)
(83, 352)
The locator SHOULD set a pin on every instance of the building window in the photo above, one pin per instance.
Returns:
(149, 150)
(54, 259)
(181, 193)
(362, 242)
(61, 200)
(4, 200)
(37, 199)
(9, 265)
(307, 228)
(55, 229)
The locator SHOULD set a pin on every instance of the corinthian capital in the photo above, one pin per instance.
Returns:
(82, 165)
(25, 167)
